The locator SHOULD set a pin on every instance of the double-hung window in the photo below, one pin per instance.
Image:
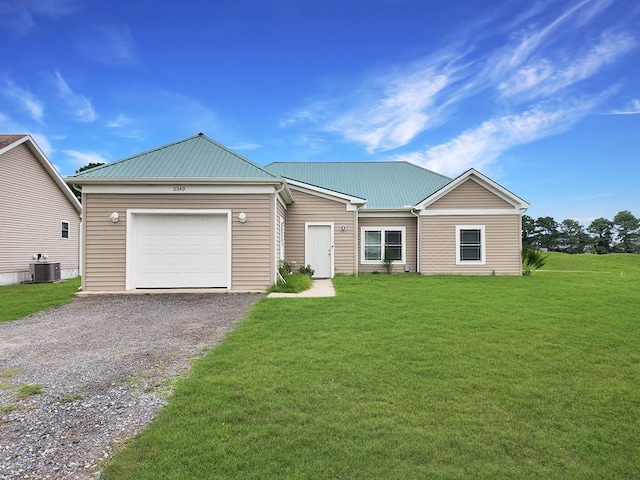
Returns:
(65, 230)
(376, 242)
(470, 245)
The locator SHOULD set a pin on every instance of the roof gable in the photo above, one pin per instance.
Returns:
(384, 185)
(196, 157)
(479, 179)
(9, 142)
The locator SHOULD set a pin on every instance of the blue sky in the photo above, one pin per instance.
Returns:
(542, 96)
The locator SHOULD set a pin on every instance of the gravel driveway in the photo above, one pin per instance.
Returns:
(106, 365)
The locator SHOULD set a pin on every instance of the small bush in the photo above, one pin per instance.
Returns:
(532, 260)
(306, 270)
(285, 268)
(388, 261)
(293, 283)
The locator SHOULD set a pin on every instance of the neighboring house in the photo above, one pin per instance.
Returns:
(40, 214)
(194, 214)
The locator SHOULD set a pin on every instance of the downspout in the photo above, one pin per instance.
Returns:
(356, 234)
(418, 233)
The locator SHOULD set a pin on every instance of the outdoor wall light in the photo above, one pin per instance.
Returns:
(242, 217)
(114, 217)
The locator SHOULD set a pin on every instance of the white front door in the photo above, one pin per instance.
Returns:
(319, 252)
(180, 251)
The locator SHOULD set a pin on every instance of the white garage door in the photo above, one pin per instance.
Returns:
(180, 251)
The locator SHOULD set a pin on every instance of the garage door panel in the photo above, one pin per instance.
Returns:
(180, 251)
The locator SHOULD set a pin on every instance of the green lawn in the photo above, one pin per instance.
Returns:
(18, 301)
(415, 377)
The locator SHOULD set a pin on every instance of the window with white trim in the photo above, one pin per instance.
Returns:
(65, 230)
(375, 242)
(470, 245)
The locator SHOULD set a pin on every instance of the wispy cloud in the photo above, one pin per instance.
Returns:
(545, 76)
(478, 147)
(44, 143)
(108, 44)
(80, 159)
(80, 105)
(531, 72)
(403, 110)
(122, 120)
(246, 146)
(632, 108)
(24, 99)
(20, 16)
(388, 111)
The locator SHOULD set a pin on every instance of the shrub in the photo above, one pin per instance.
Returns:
(306, 270)
(388, 261)
(285, 268)
(293, 283)
(532, 260)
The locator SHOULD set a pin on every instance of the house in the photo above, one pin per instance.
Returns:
(40, 215)
(194, 214)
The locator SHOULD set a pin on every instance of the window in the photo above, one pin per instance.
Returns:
(65, 229)
(470, 245)
(375, 241)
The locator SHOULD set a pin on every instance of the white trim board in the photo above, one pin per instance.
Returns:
(469, 211)
(178, 188)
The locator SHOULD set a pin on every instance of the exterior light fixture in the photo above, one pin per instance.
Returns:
(114, 217)
(242, 217)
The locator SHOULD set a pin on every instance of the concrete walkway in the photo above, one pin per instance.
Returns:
(320, 288)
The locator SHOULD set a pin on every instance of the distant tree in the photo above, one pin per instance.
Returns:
(547, 232)
(571, 237)
(88, 166)
(602, 235)
(529, 235)
(626, 227)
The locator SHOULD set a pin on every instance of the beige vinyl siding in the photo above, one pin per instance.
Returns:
(502, 244)
(311, 208)
(410, 241)
(105, 242)
(33, 208)
(469, 194)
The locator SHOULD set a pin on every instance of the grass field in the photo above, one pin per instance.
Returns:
(415, 377)
(18, 301)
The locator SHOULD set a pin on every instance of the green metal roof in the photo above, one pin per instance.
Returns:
(382, 184)
(193, 157)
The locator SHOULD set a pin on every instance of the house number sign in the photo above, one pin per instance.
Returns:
(179, 188)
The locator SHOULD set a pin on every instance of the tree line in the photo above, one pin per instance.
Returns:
(620, 235)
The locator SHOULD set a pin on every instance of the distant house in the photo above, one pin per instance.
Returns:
(39, 215)
(194, 214)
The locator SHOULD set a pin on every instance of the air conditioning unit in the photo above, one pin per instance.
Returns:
(44, 272)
